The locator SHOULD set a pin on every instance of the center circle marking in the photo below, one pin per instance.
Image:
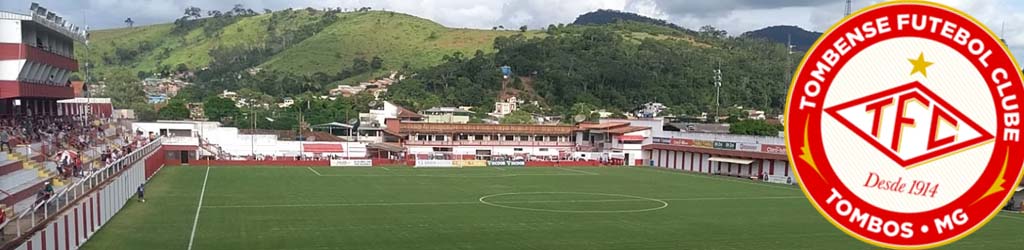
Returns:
(664, 204)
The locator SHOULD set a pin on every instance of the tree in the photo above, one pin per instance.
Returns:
(754, 127)
(711, 31)
(129, 22)
(193, 13)
(376, 63)
(144, 112)
(523, 28)
(181, 68)
(214, 13)
(175, 110)
(123, 88)
(517, 117)
(581, 108)
(220, 109)
(267, 11)
(238, 9)
(360, 65)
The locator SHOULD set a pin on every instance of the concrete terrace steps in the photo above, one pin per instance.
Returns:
(11, 181)
(9, 165)
(41, 169)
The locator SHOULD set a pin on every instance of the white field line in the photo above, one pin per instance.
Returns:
(314, 171)
(577, 171)
(500, 202)
(450, 175)
(195, 221)
(1011, 217)
(499, 168)
(385, 168)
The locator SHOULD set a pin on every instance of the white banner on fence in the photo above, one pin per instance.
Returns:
(435, 164)
(352, 163)
(748, 146)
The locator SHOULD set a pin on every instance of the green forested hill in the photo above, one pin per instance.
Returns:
(566, 69)
(617, 67)
(302, 41)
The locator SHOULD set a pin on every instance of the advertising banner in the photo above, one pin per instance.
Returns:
(684, 142)
(506, 163)
(469, 163)
(774, 149)
(725, 145)
(352, 163)
(703, 144)
(435, 164)
(661, 140)
(748, 146)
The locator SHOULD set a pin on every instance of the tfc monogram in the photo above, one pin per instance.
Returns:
(903, 125)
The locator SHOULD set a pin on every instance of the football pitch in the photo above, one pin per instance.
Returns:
(480, 208)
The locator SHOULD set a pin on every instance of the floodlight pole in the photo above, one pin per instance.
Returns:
(252, 135)
(718, 90)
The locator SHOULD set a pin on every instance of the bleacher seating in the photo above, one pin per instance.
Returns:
(24, 172)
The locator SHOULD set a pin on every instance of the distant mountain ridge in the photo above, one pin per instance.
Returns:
(603, 16)
(801, 39)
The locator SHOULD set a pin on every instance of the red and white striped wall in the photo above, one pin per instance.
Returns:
(700, 162)
(71, 229)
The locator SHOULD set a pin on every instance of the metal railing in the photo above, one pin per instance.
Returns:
(41, 211)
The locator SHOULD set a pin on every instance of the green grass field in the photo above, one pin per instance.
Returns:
(480, 208)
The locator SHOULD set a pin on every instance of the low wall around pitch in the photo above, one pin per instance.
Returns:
(375, 163)
(256, 163)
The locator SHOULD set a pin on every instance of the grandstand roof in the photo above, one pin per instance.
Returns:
(715, 151)
(405, 113)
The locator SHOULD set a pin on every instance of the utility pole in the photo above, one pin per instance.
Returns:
(252, 134)
(718, 90)
(849, 7)
(1002, 34)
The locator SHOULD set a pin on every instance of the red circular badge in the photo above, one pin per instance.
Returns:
(903, 125)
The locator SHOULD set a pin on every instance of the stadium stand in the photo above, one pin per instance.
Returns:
(51, 150)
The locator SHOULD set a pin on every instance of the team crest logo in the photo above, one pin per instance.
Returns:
(903, 125)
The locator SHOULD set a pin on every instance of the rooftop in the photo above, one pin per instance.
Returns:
(405, 113)
(627, 129)
(447, 110)
(599, 126)
(50, 21)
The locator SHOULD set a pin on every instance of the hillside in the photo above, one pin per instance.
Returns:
(800, 38)
(302, 41)
(616, 66)
(601, 17)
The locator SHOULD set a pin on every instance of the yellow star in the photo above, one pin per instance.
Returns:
(920, 65)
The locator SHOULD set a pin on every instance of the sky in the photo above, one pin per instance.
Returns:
(735, 16)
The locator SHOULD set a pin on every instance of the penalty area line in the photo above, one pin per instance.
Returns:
(314, 171)
(578, 171)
